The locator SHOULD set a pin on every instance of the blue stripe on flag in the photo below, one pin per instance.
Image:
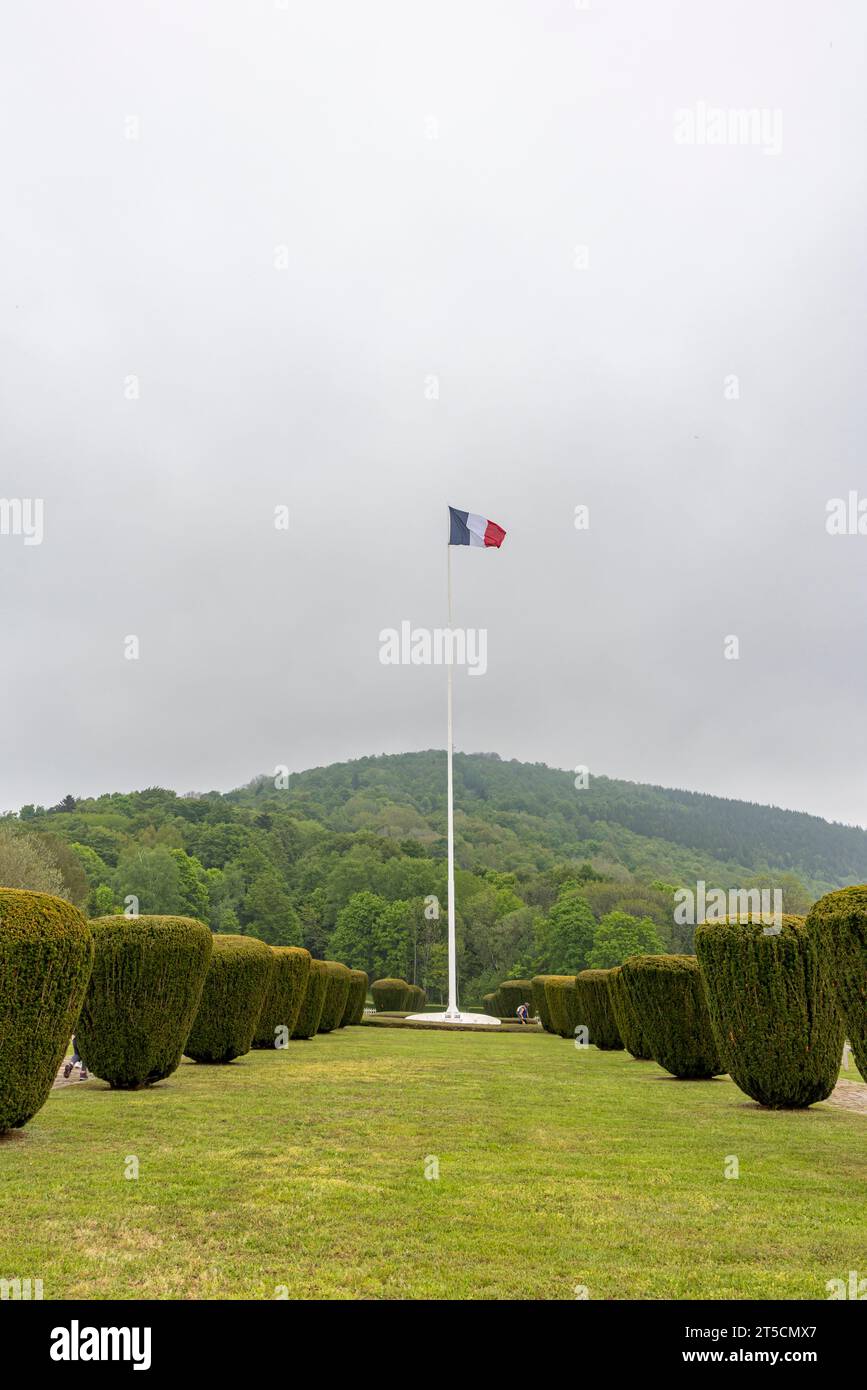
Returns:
(459, 533)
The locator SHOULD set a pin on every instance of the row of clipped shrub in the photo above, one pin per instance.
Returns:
(569, 1003)
(397, 996)
(141, 992)
(505, 1001)
(771, 1009)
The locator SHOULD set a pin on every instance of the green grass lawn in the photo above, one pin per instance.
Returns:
(306, 1169)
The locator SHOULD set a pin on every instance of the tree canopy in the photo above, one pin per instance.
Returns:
(350, 862)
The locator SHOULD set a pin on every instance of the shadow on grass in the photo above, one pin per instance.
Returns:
(697, 1080)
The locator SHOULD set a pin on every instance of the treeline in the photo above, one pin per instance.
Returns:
(663, 830)
(349, 862)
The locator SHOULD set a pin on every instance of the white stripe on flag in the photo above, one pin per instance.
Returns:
(477, 526)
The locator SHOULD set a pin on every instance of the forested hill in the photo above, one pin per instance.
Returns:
(511, 815)
(350, 861)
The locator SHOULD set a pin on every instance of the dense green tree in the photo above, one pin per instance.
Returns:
(354, 872)
(268, 912)
(797, 899)
(215, 845)
(619, 935)
(108, 841)
(75, 883)
(229, 924)
(27, 862)
(192, 886)
(566, 935)
(437, 972)
(411, 878)
(93, 864)
(102, 902)
(395, 940)
(153, 877)
(356, 936)
(313, 910)
(483, 907)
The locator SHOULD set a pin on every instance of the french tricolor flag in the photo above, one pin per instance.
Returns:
(468, 528)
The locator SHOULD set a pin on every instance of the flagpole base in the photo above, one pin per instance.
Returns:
(478, 1020)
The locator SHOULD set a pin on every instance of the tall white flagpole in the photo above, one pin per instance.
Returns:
(452, 1013)
(452, 1010)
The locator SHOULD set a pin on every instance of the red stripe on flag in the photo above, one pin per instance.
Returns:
(494, 534)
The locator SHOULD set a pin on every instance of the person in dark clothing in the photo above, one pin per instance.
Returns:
(75, 1061)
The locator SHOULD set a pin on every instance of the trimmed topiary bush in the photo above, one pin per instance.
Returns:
(838, 925)
(668, 995)
(489, 1005)
(562, 1004)
(46, 952)
(774, 1014)
(143, 995)
(594, 1009)
(389, 995)
(540, 1001)
(335, 997)
(236, 986)
(355, 999)
(284, 997)
(627, 1019)
(307, 1023)
(511, 994)
(415, 999)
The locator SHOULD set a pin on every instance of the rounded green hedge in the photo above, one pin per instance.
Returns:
(335, 997)
(774, 1014)
(489, 1005)
(46, 953)
(236, 985)
(511, 994)
(389, 995)
(284, 997)
(627, 1019)
(838, 924)
(562, 1004)
(144, 993)
(416, 999)
(307, 1023)
(594, 1008)
(355, 999)
(668, 995)
(540, 1001)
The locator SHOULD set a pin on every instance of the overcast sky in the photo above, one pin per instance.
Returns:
(365, 260)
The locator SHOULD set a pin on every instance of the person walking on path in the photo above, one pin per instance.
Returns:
(75, 1061)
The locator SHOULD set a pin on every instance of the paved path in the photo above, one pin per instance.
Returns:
(850, 1095)
(60, 1079)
